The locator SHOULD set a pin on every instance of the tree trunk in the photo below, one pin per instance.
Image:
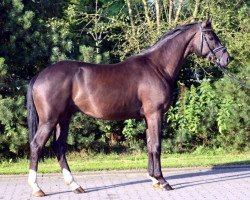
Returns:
(146, 12)
(170, 11)
(131, 16)
(96, 34)
(157, 9)
(196, 8)
(178, 10)
(164, 3)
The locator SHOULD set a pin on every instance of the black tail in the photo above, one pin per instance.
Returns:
(32, 114)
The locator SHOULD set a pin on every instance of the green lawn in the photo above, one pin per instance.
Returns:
(79, 163)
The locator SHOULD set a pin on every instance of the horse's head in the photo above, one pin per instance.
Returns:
(207, 44)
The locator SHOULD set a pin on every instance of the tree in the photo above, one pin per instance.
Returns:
(196, 8)
(157, 12)
(170, 11)
(131, 16)
(178, 11)
(208, 111)
(146, 12)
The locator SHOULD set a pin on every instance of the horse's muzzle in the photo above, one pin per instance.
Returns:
(224, 60)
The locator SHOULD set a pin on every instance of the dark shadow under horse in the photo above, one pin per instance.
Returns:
(139, 87)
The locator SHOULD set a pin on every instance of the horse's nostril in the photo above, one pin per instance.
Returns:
(228, 60)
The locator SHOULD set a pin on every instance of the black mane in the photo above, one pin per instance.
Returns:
(169, 35)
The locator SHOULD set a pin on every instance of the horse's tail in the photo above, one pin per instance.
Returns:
(32, 113)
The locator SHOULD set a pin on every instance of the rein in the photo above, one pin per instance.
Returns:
(213, 53)
(232, 77)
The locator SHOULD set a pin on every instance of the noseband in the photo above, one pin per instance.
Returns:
(212, 51)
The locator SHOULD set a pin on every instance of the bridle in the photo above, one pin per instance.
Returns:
(212, 51)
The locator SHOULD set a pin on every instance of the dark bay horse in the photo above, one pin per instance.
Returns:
(139, 87)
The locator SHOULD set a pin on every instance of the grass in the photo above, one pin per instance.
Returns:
(79, 163)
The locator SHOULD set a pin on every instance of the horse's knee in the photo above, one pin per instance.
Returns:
(35, 148)
(156, 148)
(33, 145)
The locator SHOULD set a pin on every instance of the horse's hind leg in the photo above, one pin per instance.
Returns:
(41, 137)
(59, 147)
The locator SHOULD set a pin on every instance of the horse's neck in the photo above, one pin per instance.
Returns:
(169, 57)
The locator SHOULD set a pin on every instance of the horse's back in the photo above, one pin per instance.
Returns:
(101, 91)
(107, 91)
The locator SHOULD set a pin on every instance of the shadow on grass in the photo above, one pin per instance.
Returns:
(228, 172)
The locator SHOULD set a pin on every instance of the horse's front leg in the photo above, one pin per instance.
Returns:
(154, 121)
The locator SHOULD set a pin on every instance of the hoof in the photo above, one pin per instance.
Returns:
(39, 193)
(79, 190)
(166, 187)
(157, 185)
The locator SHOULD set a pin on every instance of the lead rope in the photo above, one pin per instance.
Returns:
(232, 77)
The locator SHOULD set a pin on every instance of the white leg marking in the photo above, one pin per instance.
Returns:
(32, 180)
(69, 179)
(153, 179)
(163, 185)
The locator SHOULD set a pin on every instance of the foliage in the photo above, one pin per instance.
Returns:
(13, 133)
(233, 116)
(192, 119)
(209, 111)
(134, 133)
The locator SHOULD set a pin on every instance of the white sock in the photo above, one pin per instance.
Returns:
(153, 179)
(32, 180)
(69, 179)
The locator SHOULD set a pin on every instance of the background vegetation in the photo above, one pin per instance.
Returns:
(209, 110)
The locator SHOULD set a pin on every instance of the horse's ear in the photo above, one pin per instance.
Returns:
(209, 20)
(207, 23)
